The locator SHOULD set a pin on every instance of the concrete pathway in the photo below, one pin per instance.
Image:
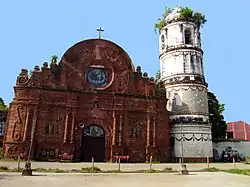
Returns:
(125, 180)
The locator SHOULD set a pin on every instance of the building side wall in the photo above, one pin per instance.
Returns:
(241, 146)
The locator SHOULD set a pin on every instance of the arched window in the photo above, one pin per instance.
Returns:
(162, 39)
(192, 63)
(188, 36)
(94, 131)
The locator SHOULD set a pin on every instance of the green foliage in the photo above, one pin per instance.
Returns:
(167, 170)
(91, 170)
(4, 168)
(53, 59)
(160, 87)
(3, 107)
(199, 19)
(238, 171)
(186, 13)
(213, 169)
(161, 21)
(158, 76)
(216, 118)
(190, 15)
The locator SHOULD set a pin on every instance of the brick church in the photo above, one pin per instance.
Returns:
(92, 103)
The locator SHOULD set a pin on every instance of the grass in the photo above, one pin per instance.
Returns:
(6, 168)
(98, 170)
(213, 169)
(238, 171)
(85, 170)
(232, 171)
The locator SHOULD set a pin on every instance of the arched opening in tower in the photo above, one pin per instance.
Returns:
(188, 37)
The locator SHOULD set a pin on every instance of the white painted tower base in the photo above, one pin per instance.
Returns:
(194, 142)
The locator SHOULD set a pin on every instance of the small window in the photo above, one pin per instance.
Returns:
(230, 135)
(134, 132)
(188, 37)
(185, 66)
(49, 129)
(199, 38)
(192, 63)
(162, 38)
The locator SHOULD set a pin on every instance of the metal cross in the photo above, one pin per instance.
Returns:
(100, 30)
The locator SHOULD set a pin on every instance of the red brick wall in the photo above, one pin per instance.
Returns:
(49, 93)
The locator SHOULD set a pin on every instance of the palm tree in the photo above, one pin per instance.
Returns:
(53, 59)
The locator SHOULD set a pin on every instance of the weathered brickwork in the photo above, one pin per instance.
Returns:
(3, 118)
(94, 83)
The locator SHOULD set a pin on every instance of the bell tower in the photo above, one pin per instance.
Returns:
(182, 71)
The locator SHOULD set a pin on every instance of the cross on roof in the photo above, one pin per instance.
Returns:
(100, 30)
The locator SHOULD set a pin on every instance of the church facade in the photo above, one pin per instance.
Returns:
(93, 103)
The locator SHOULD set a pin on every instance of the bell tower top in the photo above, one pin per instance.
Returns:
(178, 27)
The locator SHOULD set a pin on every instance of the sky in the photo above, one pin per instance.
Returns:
(32, 31)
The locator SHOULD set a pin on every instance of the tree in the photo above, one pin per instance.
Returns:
(53, 59)
(158, 76)
(159, 84)
(3, 107)
(216, 118)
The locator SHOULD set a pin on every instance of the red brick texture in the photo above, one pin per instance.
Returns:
(3, 117)
(61, 95)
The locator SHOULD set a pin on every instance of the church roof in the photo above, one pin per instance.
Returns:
(89, 48)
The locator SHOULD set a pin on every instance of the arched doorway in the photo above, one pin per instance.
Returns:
(93, 144)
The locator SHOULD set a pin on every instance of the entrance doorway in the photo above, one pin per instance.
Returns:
(93, 144)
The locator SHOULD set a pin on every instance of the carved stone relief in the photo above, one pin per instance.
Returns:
(17, 127)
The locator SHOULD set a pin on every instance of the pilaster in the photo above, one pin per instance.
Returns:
(66, 125)
(72, 126)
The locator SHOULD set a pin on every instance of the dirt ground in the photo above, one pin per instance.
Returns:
(124, 180)
(126, 166)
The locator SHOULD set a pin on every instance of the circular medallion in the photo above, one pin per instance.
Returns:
(97, 77)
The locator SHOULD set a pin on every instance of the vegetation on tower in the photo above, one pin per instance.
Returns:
(184, 14)
(3, 107)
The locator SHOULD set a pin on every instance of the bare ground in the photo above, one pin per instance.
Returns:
(124, 180)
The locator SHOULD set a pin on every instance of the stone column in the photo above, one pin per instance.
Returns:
(33, 131)
(34, 124)
(72, 125)
(154, 135)
(66, 126)
(26, 123)
(148, 130)
(120, 130)
(114, 129)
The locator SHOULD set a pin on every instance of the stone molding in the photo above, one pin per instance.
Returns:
(193, 137)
